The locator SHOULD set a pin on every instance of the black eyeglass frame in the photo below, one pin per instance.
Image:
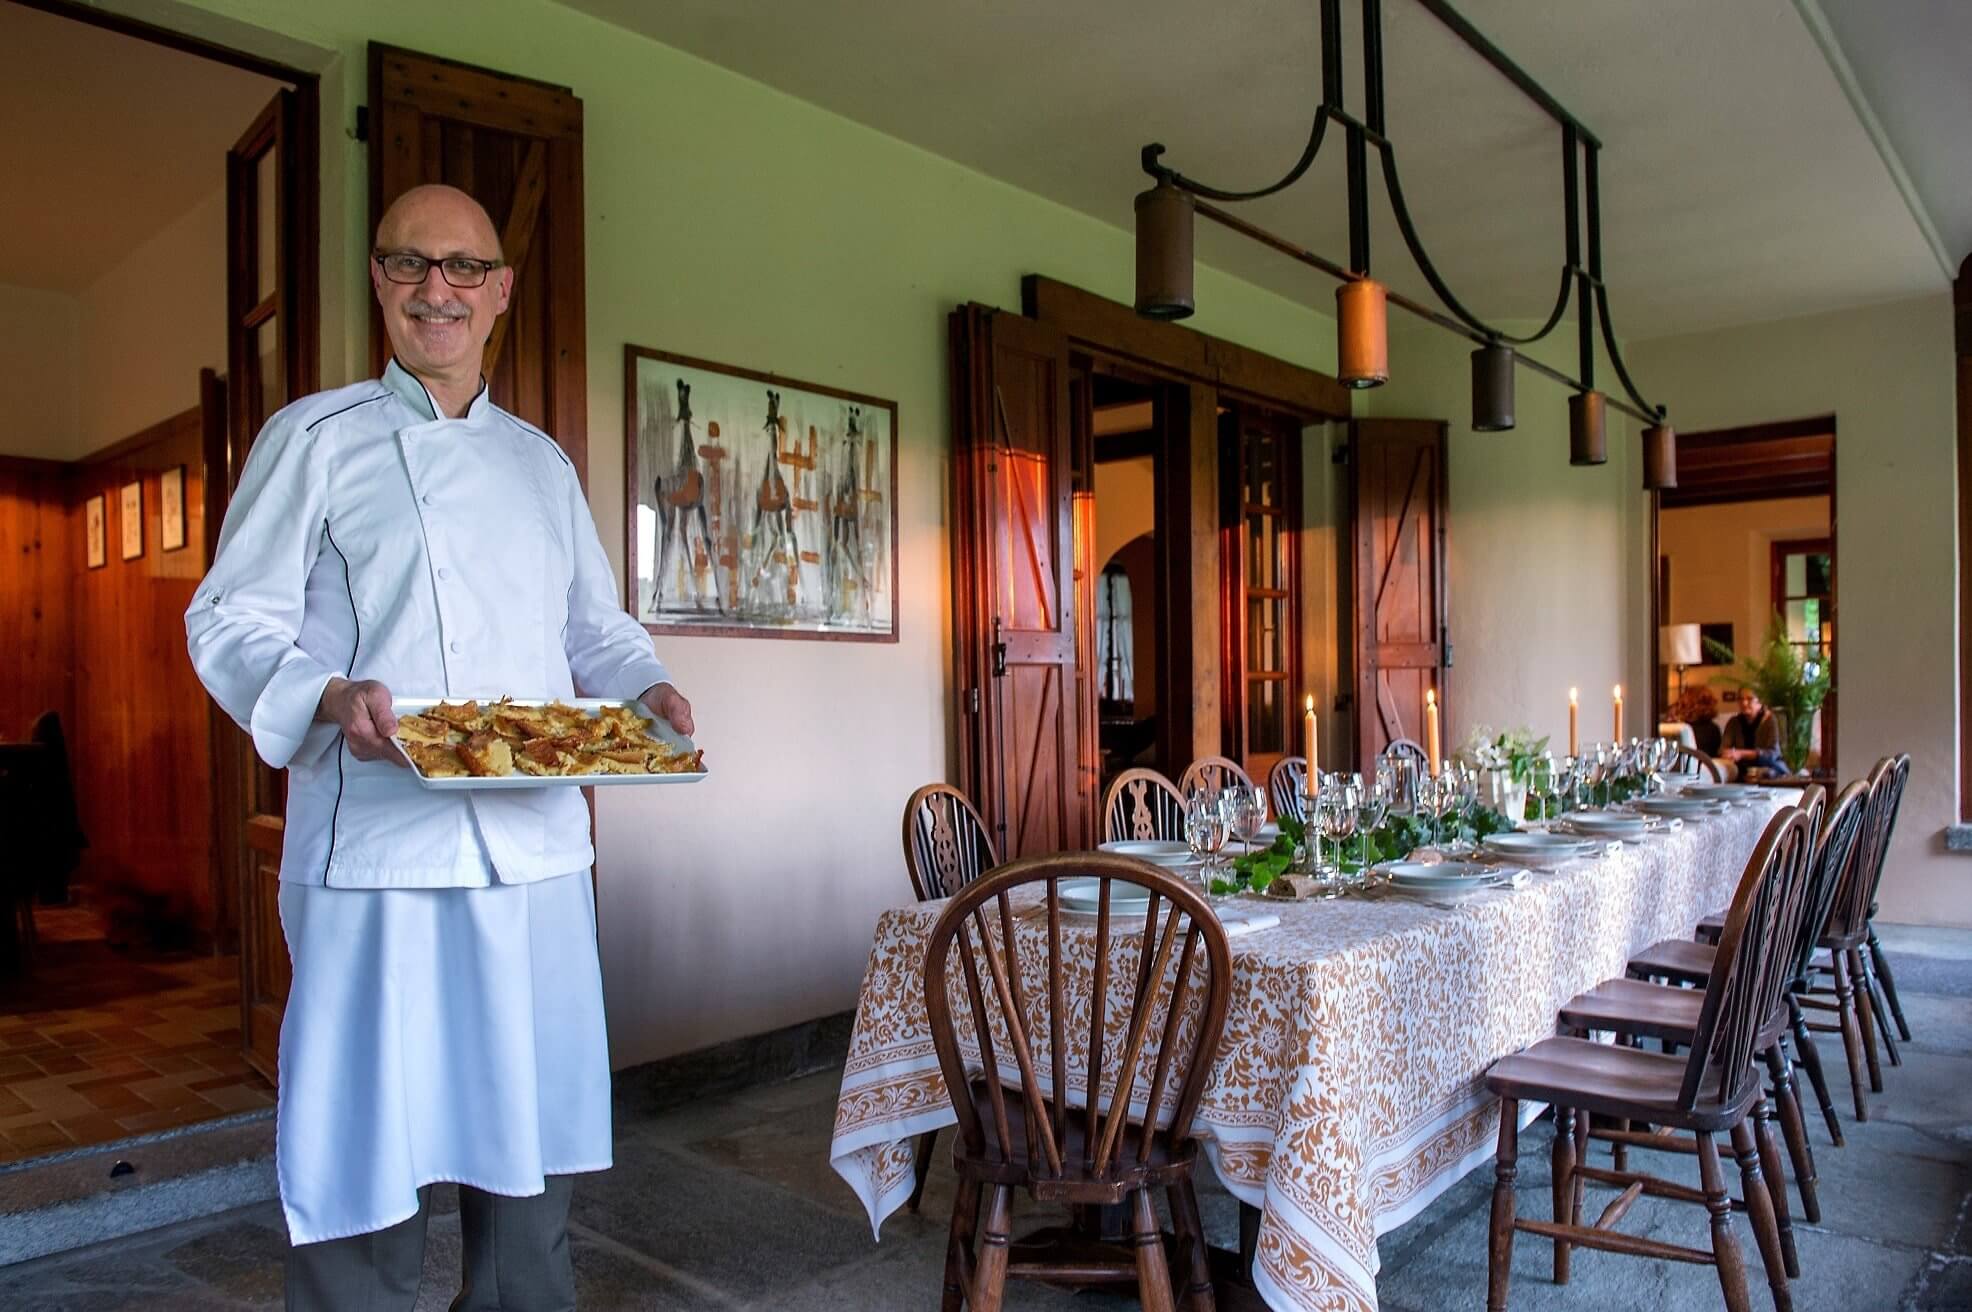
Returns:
(485, 268)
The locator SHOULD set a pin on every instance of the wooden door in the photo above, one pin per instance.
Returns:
(270, 361)
(1014, 595)
(1403, 637)
(515, 145)
(1259, 585)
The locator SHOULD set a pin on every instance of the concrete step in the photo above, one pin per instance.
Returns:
(86, 1195)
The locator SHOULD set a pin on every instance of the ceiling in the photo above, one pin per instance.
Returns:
(113, 137)
(1738, 182)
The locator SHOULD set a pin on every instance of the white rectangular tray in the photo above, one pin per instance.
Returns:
(659, 729)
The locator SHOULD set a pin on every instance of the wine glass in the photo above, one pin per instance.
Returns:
(1335, 818)
(1205, 831)
(1464, 799)
(1542, 782)
(1246, 811)
(1372, 803)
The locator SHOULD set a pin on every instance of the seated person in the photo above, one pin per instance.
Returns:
(1698, 706)
(1752, 737)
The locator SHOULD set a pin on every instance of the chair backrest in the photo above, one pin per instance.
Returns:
(1858, 892)
(1286, 783)
(946, 845)
(1142, 804)
(1754, 953)
(1174, 1017)
(1212, 773)
(1835, 850)
(1814, 804)
(1403, 747)
(1690, 760)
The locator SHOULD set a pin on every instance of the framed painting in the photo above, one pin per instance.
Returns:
(95, 528)
(130, 519)
(171, 509)
(757, 506)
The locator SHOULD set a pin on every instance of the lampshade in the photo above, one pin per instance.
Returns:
(1492, 388)
(1660, 458)
(1677, 644)
(1362, 347)
(1588, 440)
(1164, 259)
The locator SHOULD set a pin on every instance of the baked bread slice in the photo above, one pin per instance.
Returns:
(619, 760)
(436, 761)
(486, 753)
(426, 729)
(460, 715)
(523, 723)
(540, 756)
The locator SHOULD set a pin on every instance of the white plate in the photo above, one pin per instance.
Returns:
(1440, 874)
(1685, 808)
(1727, 792)
(1159, 852)
(1605, 822)
(1267, 834)
(657, 729)
(1540, 849)
(1086, 895)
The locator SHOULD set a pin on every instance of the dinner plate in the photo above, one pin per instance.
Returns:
(1685, 808)
(1439, 874)
(1727, 792)
(1607, 823)
(1085, 894)
(1540, 849)
(1159, 852)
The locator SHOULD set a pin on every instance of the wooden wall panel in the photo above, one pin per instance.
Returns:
(35, 551)
(140, 736)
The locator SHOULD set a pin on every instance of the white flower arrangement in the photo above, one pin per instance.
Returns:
(1512, 750)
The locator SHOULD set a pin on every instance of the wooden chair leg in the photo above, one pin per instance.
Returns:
(1889, 981)
(1499, 1246)
(989, 1273)
(1195, 1261)
(958, 1248)
(1788, 1103)
(1759, 1206)
(1581, 1159)
(1845, 1006)
(1865, 1019)
(926, 1150)
(1562, 1161)
(1879, 1009)
(1153, 1273)
(1810, 1058)
(1725, 1246)
(1774, 1170)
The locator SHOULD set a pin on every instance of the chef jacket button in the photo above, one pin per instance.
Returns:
(455, 647)
(426, 498)
(444, 573)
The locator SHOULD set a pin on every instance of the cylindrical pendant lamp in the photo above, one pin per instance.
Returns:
(1492, 388)
(1164, 252)
(1588, 438)
(1660, 458)
(1362, 315)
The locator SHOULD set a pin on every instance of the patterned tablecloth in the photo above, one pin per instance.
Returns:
(1348, 1091)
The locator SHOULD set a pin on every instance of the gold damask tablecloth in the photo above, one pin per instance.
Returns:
(1348, 1091)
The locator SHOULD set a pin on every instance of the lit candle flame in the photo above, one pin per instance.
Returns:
(1573, 693)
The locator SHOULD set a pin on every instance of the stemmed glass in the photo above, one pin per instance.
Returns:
(1543, 783)
(1465, 797)
(1335, 819)
(1246, 811)
(1205, 831)
(1372, 803)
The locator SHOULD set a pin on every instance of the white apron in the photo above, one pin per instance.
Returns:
(437, 1034)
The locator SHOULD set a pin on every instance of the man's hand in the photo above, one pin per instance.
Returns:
(362, 710)
(667, 703)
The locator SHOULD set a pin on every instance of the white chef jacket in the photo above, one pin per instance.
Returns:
(373, 539)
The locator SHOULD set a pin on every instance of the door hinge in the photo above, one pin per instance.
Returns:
(999, 652)
(1445, 642)
(972, 701)
(362, 123)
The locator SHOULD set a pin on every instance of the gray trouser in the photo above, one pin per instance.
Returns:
(516, 1259)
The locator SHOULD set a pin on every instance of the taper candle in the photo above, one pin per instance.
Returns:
(1431, 729)
(1314, 756)
(1619, 713)
(1574, 726)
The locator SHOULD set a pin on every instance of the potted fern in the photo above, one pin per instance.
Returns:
(1792, 686)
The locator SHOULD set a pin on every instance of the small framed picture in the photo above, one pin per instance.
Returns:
(96, 533)
(130, 520)
(171, 509)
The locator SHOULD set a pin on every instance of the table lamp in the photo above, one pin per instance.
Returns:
(1677, 647)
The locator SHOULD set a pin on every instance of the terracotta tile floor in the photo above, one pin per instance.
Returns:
(98, 1044)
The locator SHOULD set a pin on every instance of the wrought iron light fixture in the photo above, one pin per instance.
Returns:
(1165, 216)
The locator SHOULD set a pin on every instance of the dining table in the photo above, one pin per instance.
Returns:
(1348, 1089)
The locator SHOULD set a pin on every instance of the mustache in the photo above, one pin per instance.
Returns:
(443, 309)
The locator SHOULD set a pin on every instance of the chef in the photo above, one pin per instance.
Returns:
(407, 537)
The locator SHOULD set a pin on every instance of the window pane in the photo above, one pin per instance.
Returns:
(267, 239)
(1820, 569)
(1266, 718)
(1262, 551)
(1794, 575)
(1260, 461)
(1801, 626)
(1263, 636)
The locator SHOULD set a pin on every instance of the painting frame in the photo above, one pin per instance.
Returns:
(649, 372)
(171, 509)
(130, 519)
(95, 531)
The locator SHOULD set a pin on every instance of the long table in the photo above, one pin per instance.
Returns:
(1348, 1091)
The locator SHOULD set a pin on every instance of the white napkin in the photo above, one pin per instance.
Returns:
(1243, 919)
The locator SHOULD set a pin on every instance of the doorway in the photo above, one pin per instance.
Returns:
(120, 991)
(1745, 547)
(1131, 640)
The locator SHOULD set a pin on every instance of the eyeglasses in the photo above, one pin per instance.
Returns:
(458, 271)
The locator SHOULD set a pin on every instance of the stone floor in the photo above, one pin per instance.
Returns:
(731, 1204)
(99, 1043)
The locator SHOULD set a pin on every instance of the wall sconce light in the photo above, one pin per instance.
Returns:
(1164, 252)
(1362, 314)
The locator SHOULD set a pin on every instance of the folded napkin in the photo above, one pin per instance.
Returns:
(1240, 919)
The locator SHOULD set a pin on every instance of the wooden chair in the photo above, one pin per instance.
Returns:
(1212, 773)
(1143, 805)
(1691, 761)
(1713, 1089)
(946, 847)
(1409, 747)
(1286, 783)
(1634, 1009)
(1056, 1146)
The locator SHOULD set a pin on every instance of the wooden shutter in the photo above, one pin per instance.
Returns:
(1402, 634)
(515, 145)
(1013, 555)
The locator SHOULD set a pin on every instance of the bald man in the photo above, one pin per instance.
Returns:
(407, 537)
